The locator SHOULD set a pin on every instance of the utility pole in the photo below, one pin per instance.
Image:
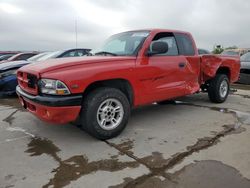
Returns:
(76, 31)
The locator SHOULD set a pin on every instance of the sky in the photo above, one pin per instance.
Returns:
(46, 25)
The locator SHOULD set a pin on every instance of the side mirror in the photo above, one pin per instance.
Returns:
(158, 47)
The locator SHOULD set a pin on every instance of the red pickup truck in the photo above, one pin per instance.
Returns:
(131, 69)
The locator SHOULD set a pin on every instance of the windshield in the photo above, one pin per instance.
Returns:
(123, 44)
(38, 56)
(245, 57)
(50, 55)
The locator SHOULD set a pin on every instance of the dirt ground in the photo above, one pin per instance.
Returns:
(190, 143)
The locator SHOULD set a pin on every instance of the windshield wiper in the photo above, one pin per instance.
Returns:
(105, 53)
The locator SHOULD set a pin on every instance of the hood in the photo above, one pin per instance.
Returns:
(53, 64)
(12, 65)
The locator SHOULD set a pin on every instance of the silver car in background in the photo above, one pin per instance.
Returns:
(245, 69)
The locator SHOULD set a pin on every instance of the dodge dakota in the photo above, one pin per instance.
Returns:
(131, 69)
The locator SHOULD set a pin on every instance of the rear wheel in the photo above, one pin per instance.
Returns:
(105, 113)
(218, 89)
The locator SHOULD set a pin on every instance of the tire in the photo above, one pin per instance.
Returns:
(105, 113)
(216, 92)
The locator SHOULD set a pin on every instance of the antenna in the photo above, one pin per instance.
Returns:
(76, 31)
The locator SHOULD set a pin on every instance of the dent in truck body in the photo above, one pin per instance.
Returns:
(211, 64)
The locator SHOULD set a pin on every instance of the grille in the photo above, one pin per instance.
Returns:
(28, 82)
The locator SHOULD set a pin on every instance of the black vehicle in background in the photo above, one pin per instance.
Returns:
(245, 69)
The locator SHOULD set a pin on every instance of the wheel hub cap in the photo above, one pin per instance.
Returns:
(223, 88)
(110, 114)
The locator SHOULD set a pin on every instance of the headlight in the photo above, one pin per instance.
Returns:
(8, 73)
(53, 87)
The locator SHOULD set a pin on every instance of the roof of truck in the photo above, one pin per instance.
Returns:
(159, 30)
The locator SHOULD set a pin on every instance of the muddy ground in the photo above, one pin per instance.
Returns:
(188, 144)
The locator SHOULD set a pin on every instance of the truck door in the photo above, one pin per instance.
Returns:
(191, 69)
(162, 76)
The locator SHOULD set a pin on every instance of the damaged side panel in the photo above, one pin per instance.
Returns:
(190, 73)
(210, 64)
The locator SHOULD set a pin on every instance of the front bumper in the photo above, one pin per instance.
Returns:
(53, 109)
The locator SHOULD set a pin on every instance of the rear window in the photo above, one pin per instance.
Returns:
(185, 44)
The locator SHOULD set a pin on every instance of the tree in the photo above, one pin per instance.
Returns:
(218, 49)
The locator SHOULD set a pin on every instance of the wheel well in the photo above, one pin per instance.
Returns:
(221, 70)
(224, 70)
(121, 84)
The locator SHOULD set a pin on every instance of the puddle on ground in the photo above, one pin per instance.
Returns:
(243, 118)
(39, 146)
(10, 118)
(125, 147)
(8, 177)
(244, 96)
(76, 166)
(11, 101)
(155, 162)
(158, 165)
(205, 174)
(241, 86)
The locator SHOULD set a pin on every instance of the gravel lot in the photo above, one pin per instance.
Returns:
(191, 143)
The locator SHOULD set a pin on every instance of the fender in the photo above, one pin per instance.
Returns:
(210, 64)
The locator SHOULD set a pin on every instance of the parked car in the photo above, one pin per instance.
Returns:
(203, 51)
(5, 57)
(67, 53)
(245, 69)
(8, 52)
(131, 69)
(20, 56)
(8, 79)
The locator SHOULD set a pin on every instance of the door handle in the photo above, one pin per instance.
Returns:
(182, 64)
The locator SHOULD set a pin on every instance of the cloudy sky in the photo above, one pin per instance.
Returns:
(50, 24)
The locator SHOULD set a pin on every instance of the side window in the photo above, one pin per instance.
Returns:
(69, 54)
(185, 44)
(170, 40)
(75, 53)
(81, 52)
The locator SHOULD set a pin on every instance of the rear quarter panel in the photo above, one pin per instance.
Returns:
(211, 63)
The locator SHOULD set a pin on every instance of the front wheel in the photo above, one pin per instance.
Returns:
(105, 113)
(218, 89)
